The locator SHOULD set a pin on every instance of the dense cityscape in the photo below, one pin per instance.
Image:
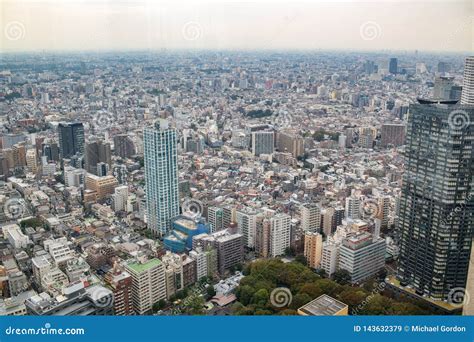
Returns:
(236, 183)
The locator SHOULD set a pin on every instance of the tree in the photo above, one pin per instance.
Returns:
(194, 305)
(289, 251)
(160, 305)
(245, 294)
(260, 298)
(210, 291)
(299, 300)
(342, 277)
(301, 259)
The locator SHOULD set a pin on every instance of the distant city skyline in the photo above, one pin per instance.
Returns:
(99, 25)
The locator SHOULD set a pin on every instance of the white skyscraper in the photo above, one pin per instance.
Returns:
(247, 223)
(311, 217)
(353, 207)
(119, 198)
(467, 96)
(161, 176)
(280, 232)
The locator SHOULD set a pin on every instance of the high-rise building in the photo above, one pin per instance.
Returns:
(200, 257)
(161, 176)
(247, 224)
(19, 155)
(352, 210)
(329, 257)
(291, 143)
(32, 161)
(71, 139)
(467, 96)
(311, 217)
(230, 251)
(228, 247)
(362, 255)
(97, 152)
(435, 235)
(173, 264)
(393, 66)
(51, 151)
(102, 186)
(262, 142)
(229, 214)
(468, 307)
(442, 88)
(215, 217)
(120, 282)
(313, 248)
(392, 135)
(148, 284)
(123, 146)
(280, 234)
(262, 239)
(119, 198)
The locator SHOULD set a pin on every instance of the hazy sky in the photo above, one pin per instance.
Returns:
(258, 24)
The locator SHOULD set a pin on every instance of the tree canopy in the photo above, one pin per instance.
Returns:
(265, 277)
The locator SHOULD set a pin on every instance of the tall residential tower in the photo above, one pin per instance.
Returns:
(161, 176)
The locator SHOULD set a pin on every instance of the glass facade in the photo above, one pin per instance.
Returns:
(436, 205)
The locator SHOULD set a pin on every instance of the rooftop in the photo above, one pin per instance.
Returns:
(324, 305)
(141, 267)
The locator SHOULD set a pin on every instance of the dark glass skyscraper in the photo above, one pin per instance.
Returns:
(71, 139)
(393, 65)
(437, 202)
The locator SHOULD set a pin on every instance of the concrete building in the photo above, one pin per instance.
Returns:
(262, 143)
(329, 258)
(123, 146)
(215, 217)
(467, 96)
(291, 143)
(76, 300)
(362, 256)
(247, 224)
(324, 305)
(313, 248)
(392, 135)
(119, 198)
(148, 284)
(310, 217)
(15, 236)
(161, 176)
(280, 231)
(173, 264)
